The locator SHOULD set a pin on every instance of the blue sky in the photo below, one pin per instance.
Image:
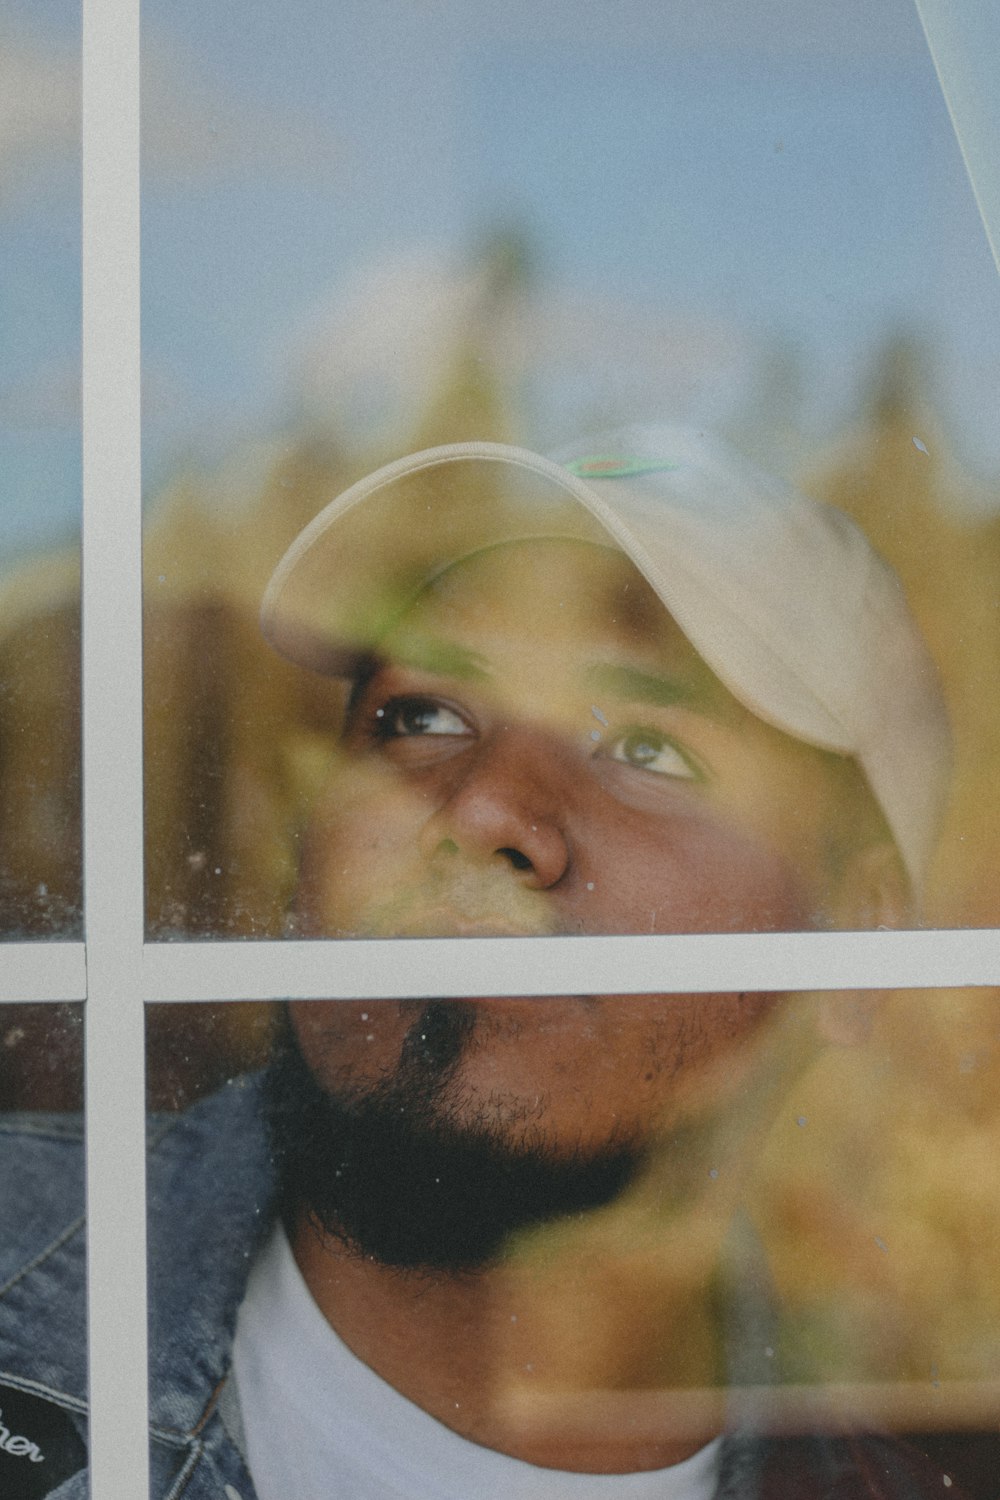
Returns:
(726, 180)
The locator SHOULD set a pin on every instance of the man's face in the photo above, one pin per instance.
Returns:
(540, 751)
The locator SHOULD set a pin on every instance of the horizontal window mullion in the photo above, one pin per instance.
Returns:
(36, 972)
(368, 969)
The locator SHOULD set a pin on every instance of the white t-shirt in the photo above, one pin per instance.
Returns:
(320, 1425)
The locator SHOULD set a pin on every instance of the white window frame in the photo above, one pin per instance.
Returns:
(117, 973)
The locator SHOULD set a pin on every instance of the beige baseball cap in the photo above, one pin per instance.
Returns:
(782, 597)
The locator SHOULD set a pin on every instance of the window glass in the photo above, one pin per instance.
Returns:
(43, 1344)
(749, 232)
(627, 686)
(40, 511)
(43, 1266)
(43, 1058)
(593, 1233)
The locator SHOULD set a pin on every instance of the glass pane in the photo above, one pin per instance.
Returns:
(43, 1287)
(603, 1236)
(40, 506)
(964, 39)
(42, 1058)
(372, 231)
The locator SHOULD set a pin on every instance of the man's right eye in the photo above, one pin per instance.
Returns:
(405, 718)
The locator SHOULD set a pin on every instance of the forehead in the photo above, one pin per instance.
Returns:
(545, 598)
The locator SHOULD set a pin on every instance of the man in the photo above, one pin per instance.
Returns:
(639, 690)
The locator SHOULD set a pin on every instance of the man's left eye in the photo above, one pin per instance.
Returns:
(407, 717)
(650, 751)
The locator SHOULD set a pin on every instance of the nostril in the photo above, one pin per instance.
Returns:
(518, 860)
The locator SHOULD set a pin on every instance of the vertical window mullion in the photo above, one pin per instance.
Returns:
(112, 750)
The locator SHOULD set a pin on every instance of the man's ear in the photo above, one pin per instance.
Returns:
(872, 892)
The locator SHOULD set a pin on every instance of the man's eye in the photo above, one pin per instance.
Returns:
(404, 718)
(651, 751)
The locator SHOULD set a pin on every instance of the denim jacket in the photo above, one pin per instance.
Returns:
(209, 1187)
(43, 1287)
(211, 1191)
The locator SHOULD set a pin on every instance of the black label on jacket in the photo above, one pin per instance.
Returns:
(39, 1445)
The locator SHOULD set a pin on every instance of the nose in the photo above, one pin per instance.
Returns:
(510, 806)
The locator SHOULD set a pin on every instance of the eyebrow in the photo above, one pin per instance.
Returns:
(430, 654)
(448, 659)
(628, 683)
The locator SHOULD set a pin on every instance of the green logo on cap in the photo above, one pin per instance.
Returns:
(604, 466)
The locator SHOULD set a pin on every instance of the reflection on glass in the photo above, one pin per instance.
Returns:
(601, 1235)
(760, 233)
(43, 1288)
(526, 688)
(964, 39)
(644, 689)
(40, 499)
(42, 1050)
(40, 849)
(649, 649)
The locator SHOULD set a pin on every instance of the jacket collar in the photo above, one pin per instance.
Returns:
(211, 1197)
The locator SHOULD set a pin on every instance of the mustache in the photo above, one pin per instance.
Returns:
(480, 903)
(435, 1041)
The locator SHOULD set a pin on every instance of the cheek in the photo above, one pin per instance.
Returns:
(362, 834)
(698, 1069)
(583, 1069)
(691, 875)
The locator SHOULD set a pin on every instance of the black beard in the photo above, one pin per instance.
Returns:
(395, 1177)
